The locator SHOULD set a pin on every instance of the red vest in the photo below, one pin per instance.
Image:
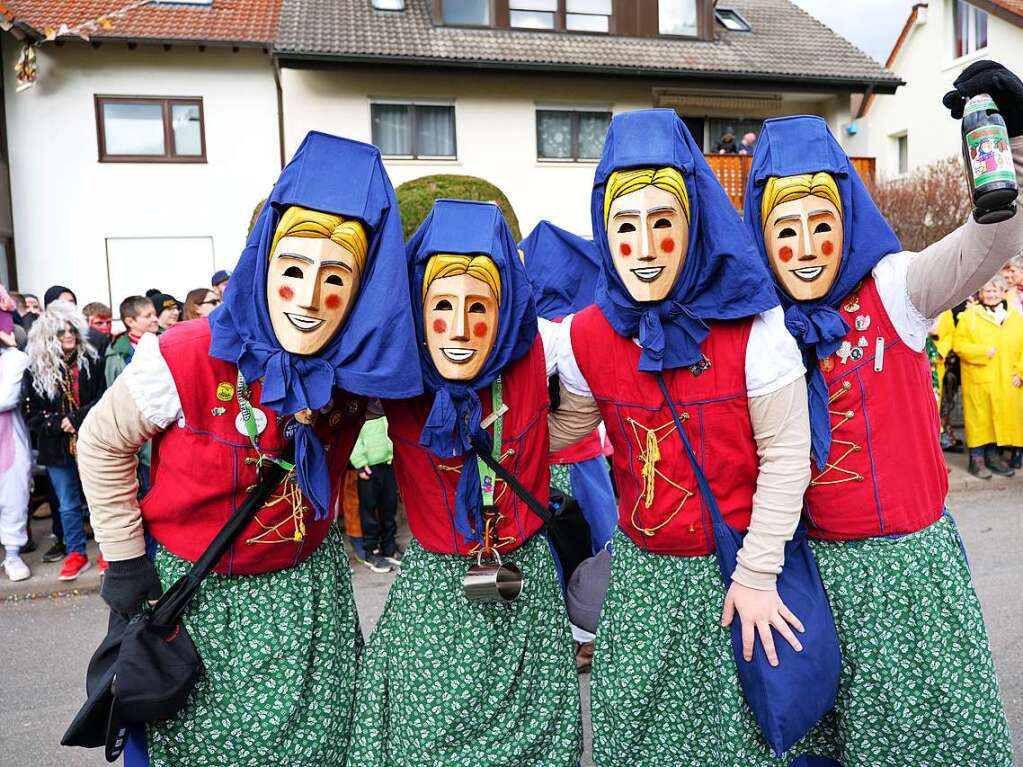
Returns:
(885, 473)
(659, 506)
(200, 470)
(428, 483)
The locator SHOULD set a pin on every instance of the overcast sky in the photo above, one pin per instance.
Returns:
(871, 25)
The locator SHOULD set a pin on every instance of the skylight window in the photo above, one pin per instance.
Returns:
(388, 5)
(731, 20)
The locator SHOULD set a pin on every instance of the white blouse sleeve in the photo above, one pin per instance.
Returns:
(890, 278)
(568, 369)
(151, 385)
(773, 360)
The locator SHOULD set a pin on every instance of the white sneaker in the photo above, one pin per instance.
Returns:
(16, 568)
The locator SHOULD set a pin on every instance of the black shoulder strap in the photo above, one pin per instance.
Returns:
(535, 506)
(171, 606)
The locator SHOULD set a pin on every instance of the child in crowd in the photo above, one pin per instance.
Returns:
(989, 342)
(378, 498)
(15, 451)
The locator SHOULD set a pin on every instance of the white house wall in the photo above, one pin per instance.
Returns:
(67, 204)
(495, 125)
(928, 67)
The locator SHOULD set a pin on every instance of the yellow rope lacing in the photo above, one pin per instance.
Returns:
(850, 447)
(649, 447)
(289, 493)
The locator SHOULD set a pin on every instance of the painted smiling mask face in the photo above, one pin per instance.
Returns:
(803, 233)
(647, 220)
(461, 298)
(316, 264)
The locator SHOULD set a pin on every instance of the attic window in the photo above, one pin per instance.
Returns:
(388, 5)
(731, 20)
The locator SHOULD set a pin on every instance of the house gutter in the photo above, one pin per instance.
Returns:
(276, 64)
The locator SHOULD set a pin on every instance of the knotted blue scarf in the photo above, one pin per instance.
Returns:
(374, 352)
(722, 277)
(790, 146)
(469, 228)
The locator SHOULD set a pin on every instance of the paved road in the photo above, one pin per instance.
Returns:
(47, 642)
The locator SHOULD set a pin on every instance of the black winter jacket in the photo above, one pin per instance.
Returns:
(43, 414)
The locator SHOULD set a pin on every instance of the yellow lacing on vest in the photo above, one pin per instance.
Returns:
(649, 447)
(288, 492)
(492, 520)
(835, 466)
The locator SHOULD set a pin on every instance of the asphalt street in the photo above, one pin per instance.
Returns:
(47, 641)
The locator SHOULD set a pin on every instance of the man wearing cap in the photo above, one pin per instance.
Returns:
(168, 311)
(219, 281)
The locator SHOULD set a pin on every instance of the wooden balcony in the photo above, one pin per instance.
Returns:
(733, 169)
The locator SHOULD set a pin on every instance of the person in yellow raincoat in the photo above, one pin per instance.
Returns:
(989, 343)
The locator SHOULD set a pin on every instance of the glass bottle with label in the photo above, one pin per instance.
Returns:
(990, 173)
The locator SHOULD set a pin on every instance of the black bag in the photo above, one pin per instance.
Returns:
(145, 668)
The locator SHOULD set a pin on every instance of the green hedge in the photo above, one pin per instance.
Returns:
(416, 197)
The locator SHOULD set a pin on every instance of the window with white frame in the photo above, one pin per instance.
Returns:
(570, 134)
(414, 129)
(677, 17)
(469, 13)
(969, 29)
(902, 153)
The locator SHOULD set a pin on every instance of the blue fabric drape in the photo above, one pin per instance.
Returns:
(374, 352)
(790, 146)
(459, 227)
(563, 269)
(722, 278)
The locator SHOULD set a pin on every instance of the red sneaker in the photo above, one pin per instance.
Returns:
(74, 565)
(101, 564)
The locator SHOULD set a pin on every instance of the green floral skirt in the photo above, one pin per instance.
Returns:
(445, 682)
(918, 683)
(664, 689)
(280, 654)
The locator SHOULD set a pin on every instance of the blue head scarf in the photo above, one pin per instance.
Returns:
(563, 269)
(469, 228)
(722, 277)
(790, 146)
(374, 352)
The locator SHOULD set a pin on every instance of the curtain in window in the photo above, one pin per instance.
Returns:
(554, 137)
(187, 129)
(435, 131)
(677, 17)
(592, 130)
(391, 129)
(133, 129)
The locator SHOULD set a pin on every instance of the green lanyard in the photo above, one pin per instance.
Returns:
(487, 476)
(249, 419)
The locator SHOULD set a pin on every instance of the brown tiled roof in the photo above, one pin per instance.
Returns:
(1013, 6)
(235, 21)
(786, 44)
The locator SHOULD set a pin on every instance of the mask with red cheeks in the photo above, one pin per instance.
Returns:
(803, 238)
(460, 317)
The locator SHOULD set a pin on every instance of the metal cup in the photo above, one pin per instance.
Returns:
(492, 581)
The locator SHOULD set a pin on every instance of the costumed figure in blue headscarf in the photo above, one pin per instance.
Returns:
(314, 321)
(683, 295)
(918, 684)
(563, 269)
(447, 680)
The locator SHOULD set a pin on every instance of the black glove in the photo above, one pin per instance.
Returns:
(128, 583)
(995, 80)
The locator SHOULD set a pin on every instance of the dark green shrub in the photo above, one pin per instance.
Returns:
(416, 197)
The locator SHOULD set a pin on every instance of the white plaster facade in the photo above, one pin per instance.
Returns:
(927, 64)
(495, 124)
(164, 225)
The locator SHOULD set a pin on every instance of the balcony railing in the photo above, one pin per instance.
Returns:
(732, 171)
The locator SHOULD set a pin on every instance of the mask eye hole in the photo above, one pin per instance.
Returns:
(626, 228)
(821, 228)
(477, 308)
(442, 306)
(334, 280)
(788, 231)
(662, 223)
(294, 271)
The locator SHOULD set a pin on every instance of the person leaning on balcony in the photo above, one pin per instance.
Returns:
(918, 684)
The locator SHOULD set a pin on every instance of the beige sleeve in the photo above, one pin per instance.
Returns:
(781, 428)
(108, 443)
(958, 265)
(575, 418)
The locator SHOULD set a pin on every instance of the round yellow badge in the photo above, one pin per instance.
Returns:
(225, 391)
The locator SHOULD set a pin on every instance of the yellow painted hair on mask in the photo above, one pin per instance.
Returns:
(782, 189)
(449, 265)
(623, 182)
(346, 232)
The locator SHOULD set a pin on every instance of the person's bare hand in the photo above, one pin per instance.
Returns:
(761, 610)
(365, 472)
(67, 426)
(1016, 380)
(991, 352)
